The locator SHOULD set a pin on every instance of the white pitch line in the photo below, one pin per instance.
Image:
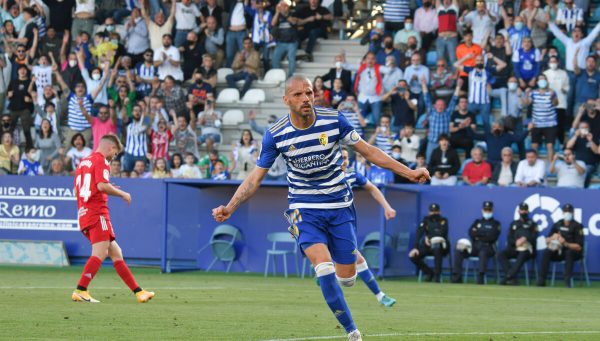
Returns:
(584, 332)
(112, 288)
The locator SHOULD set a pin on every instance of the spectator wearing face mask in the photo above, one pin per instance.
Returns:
(497, 139)
(426, 23)
(500, 49)
(588, 112)
(403, 107)
(396, 14)
(516, 29)
(558, 81)
(391, 79)
(388, 50)
(543, 103)
(401, 37)
(338, 72)
(375, 36)
(564, 242)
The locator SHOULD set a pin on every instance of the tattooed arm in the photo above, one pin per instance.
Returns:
(243, 193)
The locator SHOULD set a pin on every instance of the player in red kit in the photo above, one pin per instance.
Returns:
(92, 188)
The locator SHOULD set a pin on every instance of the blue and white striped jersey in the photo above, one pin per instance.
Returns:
(75, 118)
(313, 159)
(543, 111)
(478, 86)
(136, 143)
(355, 179)
(146, 73)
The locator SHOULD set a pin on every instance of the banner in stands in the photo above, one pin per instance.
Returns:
(42, 208)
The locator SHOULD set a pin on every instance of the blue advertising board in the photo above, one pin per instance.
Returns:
(175, 216)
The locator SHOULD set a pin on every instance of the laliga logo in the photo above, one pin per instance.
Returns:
(546, 210)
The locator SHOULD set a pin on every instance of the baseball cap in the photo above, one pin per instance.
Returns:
(488, 205)
(434, 207)
(567, 208)
(523, 207)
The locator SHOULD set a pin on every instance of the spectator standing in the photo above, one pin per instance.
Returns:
(588, 82)
(137, 36)
(526, 64)
(336, 95)
(161, 138)
(516, 29)
(438, 116)
(172, 95)
(83, 17)
(501, 50)
(481, 21)
(158, 27)
(498, 138)
(467, 51)
(447, 41)
(236, 30)
(285, 34)
(21, 103)
(145, 73)
(391, 79)
(388, 50)
(543, 102)
(426, 23)
(395, 13)
(214, 38)
(48, 143)
(558, 81)
(136, 145)
(409, 143)
(537, 21)
(349, 108)
(314, 20)
(569, 16)
(414, 74)
(461, 122)
(104, 123)
(210, 123)
(245, 67)
(261, 30)
(185, 135)
(531, 172)
(186, 15)
(191, 51)
(168, 60)
(212, 9)
(59, 11)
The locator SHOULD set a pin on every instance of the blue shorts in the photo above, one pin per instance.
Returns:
(335, 228)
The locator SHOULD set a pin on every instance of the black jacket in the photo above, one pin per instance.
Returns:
(451, 166)
(498, 169)
(485, 231)
(346, 77)
(520, 228)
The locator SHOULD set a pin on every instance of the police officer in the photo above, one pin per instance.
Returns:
(521, 245)
(484, 233)
(432, 239)
(564, 242)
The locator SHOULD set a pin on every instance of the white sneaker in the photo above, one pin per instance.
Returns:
(355, 336)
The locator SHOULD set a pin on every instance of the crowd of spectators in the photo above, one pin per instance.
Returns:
(485, 92)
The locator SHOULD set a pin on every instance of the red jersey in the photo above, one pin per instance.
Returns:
(160, 144)
(91, 203)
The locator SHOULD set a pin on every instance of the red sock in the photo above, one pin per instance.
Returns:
(125, 274)
(89, 271)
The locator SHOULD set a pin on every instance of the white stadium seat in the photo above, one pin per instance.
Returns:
(228, 95)
(273, 77)
(254, 96)
(222, 73)
(233, 117)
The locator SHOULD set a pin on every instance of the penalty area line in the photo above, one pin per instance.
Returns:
(409, 334)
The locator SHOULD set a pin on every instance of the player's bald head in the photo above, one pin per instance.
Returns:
(296, 81)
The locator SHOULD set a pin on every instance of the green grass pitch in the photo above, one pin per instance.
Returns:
(36, 305)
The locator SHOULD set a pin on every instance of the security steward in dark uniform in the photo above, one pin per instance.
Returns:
(521, 245)
(564, 242)
(431, 239)
(484, 233)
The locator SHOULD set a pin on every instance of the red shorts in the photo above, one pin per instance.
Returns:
(100, 231)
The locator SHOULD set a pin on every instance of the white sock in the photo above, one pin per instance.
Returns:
(380, 296)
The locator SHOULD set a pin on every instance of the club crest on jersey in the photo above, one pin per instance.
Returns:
(323, 139)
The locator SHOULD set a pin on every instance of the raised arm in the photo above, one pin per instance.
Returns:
(558, 33)
(34, 44)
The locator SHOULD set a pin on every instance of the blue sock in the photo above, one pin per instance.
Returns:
(367, 276)
(335, 300)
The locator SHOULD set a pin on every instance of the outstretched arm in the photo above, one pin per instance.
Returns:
(381, 159)
(243, 193)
